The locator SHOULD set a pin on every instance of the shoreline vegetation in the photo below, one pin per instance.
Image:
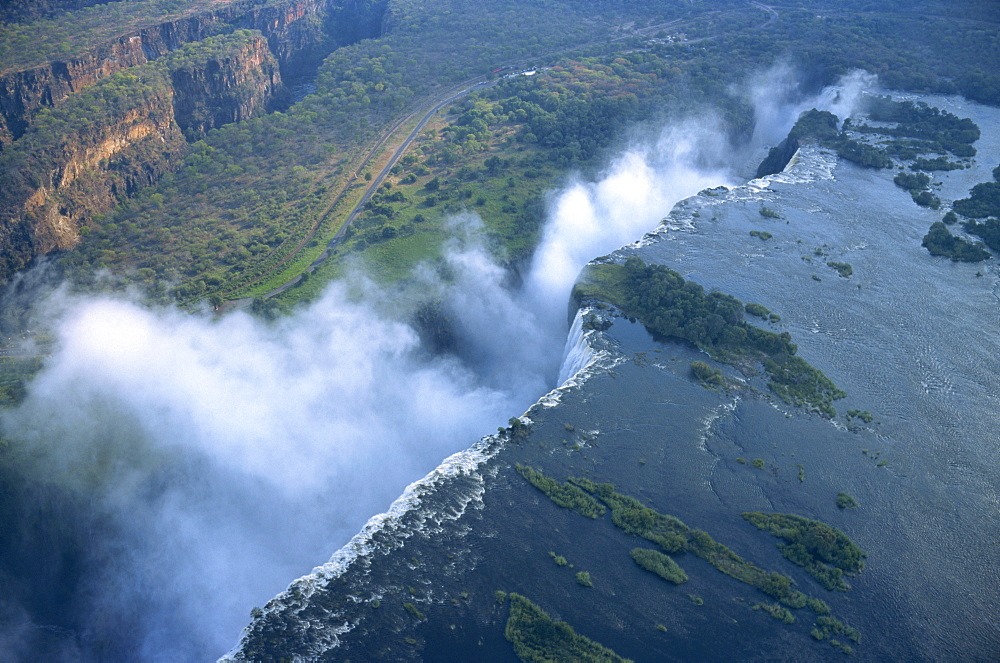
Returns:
(825, 552)
(825, 546)
(673, 308)
(537, 638)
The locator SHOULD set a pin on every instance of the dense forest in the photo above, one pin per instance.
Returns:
(281, 185)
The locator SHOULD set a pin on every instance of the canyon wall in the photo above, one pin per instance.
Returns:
(80, 134)
(120, 135)
(238, 82)
(297, 31)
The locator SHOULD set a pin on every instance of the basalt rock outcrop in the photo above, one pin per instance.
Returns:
(120, 135)
(297, 32)
(79, 134)
(241, 80)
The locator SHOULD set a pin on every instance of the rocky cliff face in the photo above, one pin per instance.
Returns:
(296, 31)
(81, 173)
(78, 135)
(121, 135)
(236, 85)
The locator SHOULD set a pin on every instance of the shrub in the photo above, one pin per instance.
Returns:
(660, 564)
(845, 501)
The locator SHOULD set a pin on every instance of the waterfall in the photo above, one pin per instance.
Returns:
(577, 353)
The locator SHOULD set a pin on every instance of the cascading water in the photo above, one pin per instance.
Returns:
(578, 352)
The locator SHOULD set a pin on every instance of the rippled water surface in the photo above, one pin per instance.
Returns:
(911, 338)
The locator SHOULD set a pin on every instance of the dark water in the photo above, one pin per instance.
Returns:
(913, 339)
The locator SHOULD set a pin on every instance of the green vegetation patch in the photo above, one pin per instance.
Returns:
(414, 612)
(863, 415)
(823, 551)
(862, 154)
(761, 234)
(983, 200)
(706, 374)
(845, 501)
(940, 242)
(941, 130)
(827, 626)
(778, 612)
(758, 310)
(818, 606)
(916, 184)
(72, 33)
(660, 564)
(988, 230)
(15, 372)
(673, 536)
(565, 495)
(630, 515)
(537, 638)
(912, 181)
(674, 308)
(843, 268)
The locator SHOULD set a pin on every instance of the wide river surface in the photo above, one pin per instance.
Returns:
(911, 338)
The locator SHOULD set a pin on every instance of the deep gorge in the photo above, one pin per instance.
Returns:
(80, 135)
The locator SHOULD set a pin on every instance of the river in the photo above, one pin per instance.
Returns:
(909, 337)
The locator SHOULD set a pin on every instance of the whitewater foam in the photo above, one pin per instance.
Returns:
(386, 531)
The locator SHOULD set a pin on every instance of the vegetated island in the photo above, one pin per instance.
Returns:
(910, 132)
(565, 495)
(843, 268)
(822, 127)
(537, 638)
(674, 308)
(925, 137)
(916, 129)
(660, 564)
(983, 201)
(913, 133)
(940, 242)
(708, 376)
(673, 536)
(825, 552)
(845, 501)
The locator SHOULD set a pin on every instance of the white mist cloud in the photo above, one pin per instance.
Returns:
(233, 456)
(228, 457)
(296, 404)
(589, 219)
(778, 100)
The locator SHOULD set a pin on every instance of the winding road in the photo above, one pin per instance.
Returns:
(432, 106)
(435, 105)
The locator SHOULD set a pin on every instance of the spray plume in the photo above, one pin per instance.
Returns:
(223, 458)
